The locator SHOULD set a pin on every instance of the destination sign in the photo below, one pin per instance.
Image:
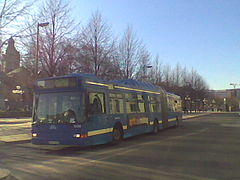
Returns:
(57, 83)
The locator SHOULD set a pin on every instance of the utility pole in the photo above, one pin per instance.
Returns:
(235, 92)
(234, 85)
(37, 51)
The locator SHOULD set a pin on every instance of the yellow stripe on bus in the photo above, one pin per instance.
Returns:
(124, 127)
(121, 87)
(140, 90)
(95, 83)
(100, 131)
(173, 119)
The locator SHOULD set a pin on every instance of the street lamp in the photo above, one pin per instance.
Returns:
(37, 53)
(144, 68)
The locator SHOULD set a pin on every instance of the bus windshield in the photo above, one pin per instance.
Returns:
(58, 108)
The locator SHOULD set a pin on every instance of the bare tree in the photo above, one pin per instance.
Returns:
(55, 40)
(185, 80)
(178, 75)
(97, 47)
(167, 75)
(61, 28)
(143, 64)
(10, 12)
(156, 73)
(129, 49)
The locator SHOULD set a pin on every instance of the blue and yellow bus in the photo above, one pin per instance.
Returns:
(80, 109)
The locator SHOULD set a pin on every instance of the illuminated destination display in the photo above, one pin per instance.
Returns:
(57, 83)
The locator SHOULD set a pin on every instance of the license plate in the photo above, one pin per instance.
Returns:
(53, 142)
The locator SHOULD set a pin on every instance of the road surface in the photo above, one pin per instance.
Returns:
(203, 148)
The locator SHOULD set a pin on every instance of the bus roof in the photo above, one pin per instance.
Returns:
(130, 83)
(138, 84)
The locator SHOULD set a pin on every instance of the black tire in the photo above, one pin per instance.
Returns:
(117, 135)
(155, 127)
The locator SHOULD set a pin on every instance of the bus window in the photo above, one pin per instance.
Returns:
(58, 108)
(133, 107)
(141, 103)
(96, 103)
(135, 103)
(177, 105)
(142, 106)
(140, 97)
(154, 108)
(172, 106)
(132, 103)
(154, 104)
(116, 103)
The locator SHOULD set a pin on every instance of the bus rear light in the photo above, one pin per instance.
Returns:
(80, 135)
(34, 134)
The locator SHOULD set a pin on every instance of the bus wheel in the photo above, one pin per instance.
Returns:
(117, 135)
(155, 127)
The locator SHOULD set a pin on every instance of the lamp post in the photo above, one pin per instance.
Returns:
(37, 53)
(187, 103)
(214, 105)
(204, 104)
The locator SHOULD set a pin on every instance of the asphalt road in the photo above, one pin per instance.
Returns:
(202, 148)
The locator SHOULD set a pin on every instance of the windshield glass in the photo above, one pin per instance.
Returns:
(58, 108)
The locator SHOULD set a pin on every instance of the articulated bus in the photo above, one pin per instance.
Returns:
(80, 109)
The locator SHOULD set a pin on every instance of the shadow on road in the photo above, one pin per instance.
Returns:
(136, 140)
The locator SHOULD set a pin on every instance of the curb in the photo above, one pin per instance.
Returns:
(16, 142)
(19, 142)
(195, 116)
(209, 113)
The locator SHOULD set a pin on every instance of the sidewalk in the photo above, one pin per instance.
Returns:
(16, 138)
(6, 175)
(14, 120)
(15, 130)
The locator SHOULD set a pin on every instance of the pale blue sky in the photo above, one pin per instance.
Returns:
(203, 34)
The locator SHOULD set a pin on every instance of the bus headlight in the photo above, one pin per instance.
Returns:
(34, 134)
(77, 135)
